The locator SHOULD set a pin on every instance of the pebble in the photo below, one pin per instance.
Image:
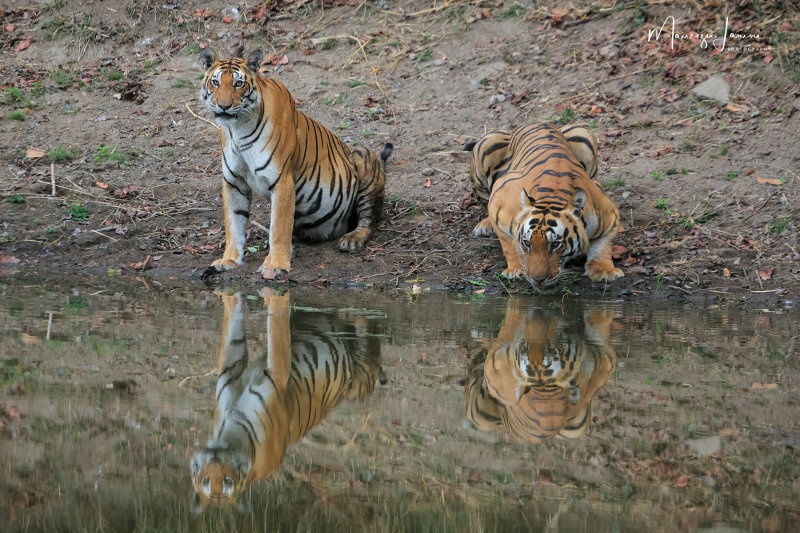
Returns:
(428, 171)
(714, 88)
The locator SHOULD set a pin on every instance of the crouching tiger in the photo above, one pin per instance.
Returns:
(265, 405)
(544, 205)
(536, 380)
(318, 186)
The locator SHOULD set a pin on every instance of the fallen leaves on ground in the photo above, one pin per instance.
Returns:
(766, 274)
(143, 265)
(34, 153)
(768, 386)
(768, 181)
(9, 259)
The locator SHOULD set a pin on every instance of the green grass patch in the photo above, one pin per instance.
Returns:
(661, 203)
(18, 115)
(61, 154)
(181, 84)
(79, 212)
(613, 184)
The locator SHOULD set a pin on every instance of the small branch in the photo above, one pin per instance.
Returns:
(53, 179)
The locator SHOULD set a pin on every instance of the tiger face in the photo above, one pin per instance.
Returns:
(229, 88)
(536, 380)
(218, 476)
(547, 238)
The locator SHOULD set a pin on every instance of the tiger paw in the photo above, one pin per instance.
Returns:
(354, 241)
(513, 273)
(483, 228)
(600, 273)
(271, 274)
(217, 267)
(275, 263)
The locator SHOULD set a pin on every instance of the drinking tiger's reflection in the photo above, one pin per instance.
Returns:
(267, 404)
(536, 380)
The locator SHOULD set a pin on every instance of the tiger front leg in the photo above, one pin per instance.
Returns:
(599, 263)
(236, 208)
(279, 258)
(514, 270)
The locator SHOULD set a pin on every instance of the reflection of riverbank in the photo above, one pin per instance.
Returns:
(537, 379)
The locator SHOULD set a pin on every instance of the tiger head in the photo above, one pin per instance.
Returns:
(219, 477)
(548, 237)
(230, 87)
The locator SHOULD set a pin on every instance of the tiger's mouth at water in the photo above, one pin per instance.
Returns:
(223, 114)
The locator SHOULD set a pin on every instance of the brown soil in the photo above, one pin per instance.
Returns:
(707, 191)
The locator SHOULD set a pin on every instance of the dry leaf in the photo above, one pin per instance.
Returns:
(400, 162)
(10, 28)
(682, 481)
(226, 19)
(34, 153)
(426, 183)
(766, 274)
(736, 108)
(768, 181)
(769, 386)
(617, 251)
(9, 260)
(596, 110)
(22, 45)
(101, 184)
(143, 265)
(726, 273)
(749, 171)
(30, 339)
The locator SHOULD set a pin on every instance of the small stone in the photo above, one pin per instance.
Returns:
(609, 51)
(497, 98)
(714, 88)
(428, 171)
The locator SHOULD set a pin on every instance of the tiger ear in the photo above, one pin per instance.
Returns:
(578, 201)
(525, 199)
(254, 60)
(207, 57)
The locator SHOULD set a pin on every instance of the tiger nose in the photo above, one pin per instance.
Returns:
(224, 107)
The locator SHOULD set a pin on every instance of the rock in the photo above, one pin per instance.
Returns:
(609, 51)
(714, 88)
(428, 171)
(706, 446)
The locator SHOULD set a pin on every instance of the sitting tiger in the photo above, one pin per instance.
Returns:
(318, 186)
(536, 380)
(265, 405)
(543, 203)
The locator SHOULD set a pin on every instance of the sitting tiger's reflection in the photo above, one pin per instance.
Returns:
(536, 380)
(267, 404)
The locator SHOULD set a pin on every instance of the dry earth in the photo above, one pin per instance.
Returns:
(102, 98)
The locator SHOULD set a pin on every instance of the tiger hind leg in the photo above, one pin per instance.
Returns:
(599, 263)
(369, 171)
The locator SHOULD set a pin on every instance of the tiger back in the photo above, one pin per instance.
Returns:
(265, 405)
(543, 203)
(536, 380)
(320, 188)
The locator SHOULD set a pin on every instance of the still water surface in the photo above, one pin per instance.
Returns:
(319, 410)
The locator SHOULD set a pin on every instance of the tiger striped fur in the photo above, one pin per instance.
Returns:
(536, 380)
(319, 187)
(544, 205)
(265, 405)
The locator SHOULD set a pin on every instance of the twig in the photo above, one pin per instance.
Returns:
(259, 226)
(188, 378)
(104, 235)
(53, 179)
(195, 115)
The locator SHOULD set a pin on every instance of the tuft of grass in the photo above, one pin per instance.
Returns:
(355, 83)
(79, 212)
(114, 75)
(61, 78)
(780, 226)
(329, 43)
(515, 11)
(17, 199)
(566, 115)
(426, 55)
(110, 153)
(17, 115)
(61, 154)
(14, 94)
(661, 203)
(732, 174)
(180, 84)
(619, 181)
(657, 175)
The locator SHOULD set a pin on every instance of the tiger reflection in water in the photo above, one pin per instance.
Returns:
(536, 380)
(265, 405)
